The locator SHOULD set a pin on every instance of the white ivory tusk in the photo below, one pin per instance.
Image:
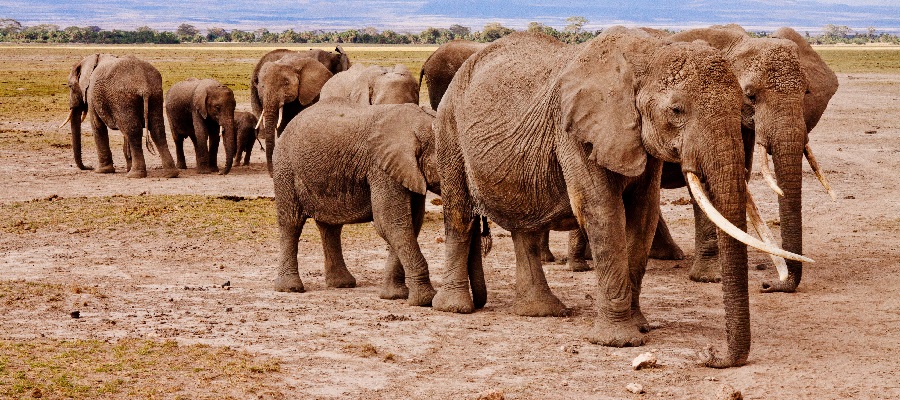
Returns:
(260, 121)
(68, 118)
(280, 112)
(767, 173)
(807, 151)
(759, 225)
(729, 228)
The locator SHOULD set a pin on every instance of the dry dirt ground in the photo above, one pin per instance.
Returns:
(837, 337)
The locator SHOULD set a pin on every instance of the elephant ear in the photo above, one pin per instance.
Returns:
(312, 75)
(84, 71)
(344, 61)
(598, 105)
(395, 147)
(821, 81)
(200, 94)
(363, 90)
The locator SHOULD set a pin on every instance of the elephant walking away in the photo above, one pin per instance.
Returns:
(440, 67)
(373, 85)
(537, 134)
(200, 109)
(245, 126)
(342, 163)
(123, 93)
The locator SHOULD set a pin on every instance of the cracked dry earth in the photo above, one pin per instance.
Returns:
(836, 338)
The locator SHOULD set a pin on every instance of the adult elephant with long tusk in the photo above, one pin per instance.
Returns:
(786, 88)
(537, 134)
(286, 87)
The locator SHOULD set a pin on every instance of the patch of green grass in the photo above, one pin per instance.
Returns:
(29, 140)
(878, 60)
(132, 368)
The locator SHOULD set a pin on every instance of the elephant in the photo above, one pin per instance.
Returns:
(245, 126)
(286, 87)
(344, 163)
(440, 67)
(537, 134)
(336, 61)
(123, 93)
(373, 85)
(786, 87)
(199, 109)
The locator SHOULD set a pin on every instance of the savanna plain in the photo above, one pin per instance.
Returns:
(172, 279)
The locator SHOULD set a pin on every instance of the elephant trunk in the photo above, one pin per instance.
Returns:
(75, 117)
(788, 159)
(229, 140)
(269, 121)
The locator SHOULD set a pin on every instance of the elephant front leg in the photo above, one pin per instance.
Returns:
(336, 273)
(641, 217)
(138, 166)
(179, 151)
(101, 140)
(706, 267)
(394, 284)
(533, 295)
(202, 152)
(578, 249)
(664, 246)
(213, 152)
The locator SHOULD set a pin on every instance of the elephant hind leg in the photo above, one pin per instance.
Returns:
(290, 224)
(578, 249)
(546, 255)
(137, 167)
(336, 273)
(533, 295)
(664, 246)
(394, 285)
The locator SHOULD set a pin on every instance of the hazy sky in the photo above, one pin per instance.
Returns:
(415, 15)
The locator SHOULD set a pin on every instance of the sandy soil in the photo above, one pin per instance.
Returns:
(836, 338)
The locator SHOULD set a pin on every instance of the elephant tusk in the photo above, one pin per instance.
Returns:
(758, 224)
(68, 118)
(260, 122)
(767, 173)
(807, 151)
(729, 228)
(280, 114)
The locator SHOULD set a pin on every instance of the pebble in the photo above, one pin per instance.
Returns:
(75, 314)
(635, 388)
(726, 392)
(645, 360)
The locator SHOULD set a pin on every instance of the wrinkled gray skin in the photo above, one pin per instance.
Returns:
(440, 67)
(786, 88)
(578, 138)
(287, 86)
(335, 62)
(245, 126)
(123, 93)
(373, 85)
(342, 163)
(199, 109)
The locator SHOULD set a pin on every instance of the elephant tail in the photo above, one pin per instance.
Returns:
(146, 131)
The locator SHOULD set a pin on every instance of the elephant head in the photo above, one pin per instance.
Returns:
(215, 101)
(287, 86)
(78, 82)
(786, 88)
(380, 85)
(336, 61)
(402, 143)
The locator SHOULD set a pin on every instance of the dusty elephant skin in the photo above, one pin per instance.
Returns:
(342, 163)
(245, 129)
(123, 93)
(536, 134)
(199, 109)
(373, 85)
(335, 62)
(440, 67)
(786, 88)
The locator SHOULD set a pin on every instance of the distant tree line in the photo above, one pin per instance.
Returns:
(574, 32)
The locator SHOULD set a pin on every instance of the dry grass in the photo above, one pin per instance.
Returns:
(863, 59)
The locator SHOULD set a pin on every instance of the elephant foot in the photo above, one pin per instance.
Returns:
(204, 171)
(289, 283)
(421, 295)
(788, 286)
(547, 256)
(182, 165)
(136, 173)
(393, 291)
(171, 173)
(666, 252)
(615, 334)
(106, 169)
(706, 270)
(640, 321)
(540, 303)
(341, 278)
(455, 301)
(578, 265)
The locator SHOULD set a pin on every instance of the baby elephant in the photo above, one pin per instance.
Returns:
(198, 109)
(245, 126)
(341, 163)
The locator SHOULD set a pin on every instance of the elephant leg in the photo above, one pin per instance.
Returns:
(247, 155)
(290, 225)
(201, 151)
(179, 150)
(101, 140)
(336, 273)
(664, 246)
(533, 295)
(641, 217)
(546, 254)
(460, 225)
(394, 284)
(138, 167)
(578, 246)
(213, 151)
(126, 150)
(706, 266)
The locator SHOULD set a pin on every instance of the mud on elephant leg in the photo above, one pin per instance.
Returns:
(336, 273)
(706, 267)
(664, 246)
(533, 295)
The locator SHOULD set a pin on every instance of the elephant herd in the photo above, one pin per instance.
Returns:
(528, 132)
